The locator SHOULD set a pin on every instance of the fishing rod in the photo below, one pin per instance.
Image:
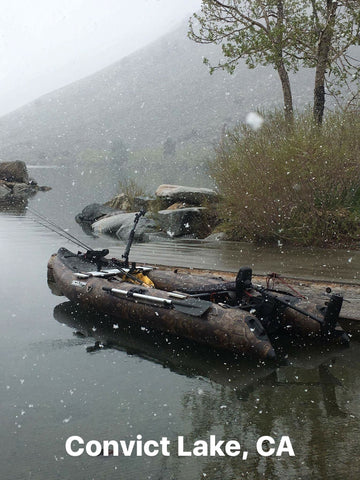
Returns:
(52, 226)
(125, 255)
(90, 252)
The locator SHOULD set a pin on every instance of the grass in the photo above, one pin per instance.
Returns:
(298, 184)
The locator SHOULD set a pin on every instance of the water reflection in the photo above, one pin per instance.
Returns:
(193, 360)
(178, 355)
(307, 400)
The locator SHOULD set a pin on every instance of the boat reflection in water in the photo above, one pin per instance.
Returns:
(310, 367)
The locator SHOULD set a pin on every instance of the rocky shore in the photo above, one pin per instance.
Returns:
(173, 211)
(15, 183)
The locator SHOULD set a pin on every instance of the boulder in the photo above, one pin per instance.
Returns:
(108, 224)
(4, 191)
(143, 229)
(93, 212)
(14, 172)
(130, 204)
(121, 225)
(170, 194)
(142, 203)
(119, 202)
(184, 221)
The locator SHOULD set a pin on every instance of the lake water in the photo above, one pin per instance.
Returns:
(53, 386)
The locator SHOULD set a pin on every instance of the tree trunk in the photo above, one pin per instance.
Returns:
(287, 95)
(322, 61)
(280, 67)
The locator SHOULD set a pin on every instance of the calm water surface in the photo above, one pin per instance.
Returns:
(149, 384)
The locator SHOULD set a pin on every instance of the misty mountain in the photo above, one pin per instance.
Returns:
(151, 104)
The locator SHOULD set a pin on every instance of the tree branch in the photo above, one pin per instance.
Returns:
(242, 16)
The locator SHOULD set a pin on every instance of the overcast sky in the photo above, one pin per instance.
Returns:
(45, 44)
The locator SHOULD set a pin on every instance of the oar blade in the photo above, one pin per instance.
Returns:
(192, 306)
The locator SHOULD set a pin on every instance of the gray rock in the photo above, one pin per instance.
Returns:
(183, 221)
(119, 202)
(143, 228)
(189, 195)
(4, 191)
(14, 172)
(93, 212)
(110, 223)
(121, 225)
(130, 204)
(142, 203)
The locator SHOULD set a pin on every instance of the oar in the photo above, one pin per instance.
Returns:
(190, 306)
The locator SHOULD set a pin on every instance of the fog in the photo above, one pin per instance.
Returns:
(45, 45)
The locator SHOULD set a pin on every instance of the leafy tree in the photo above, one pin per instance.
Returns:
(258, 31)
(325, 40)
(285, 34)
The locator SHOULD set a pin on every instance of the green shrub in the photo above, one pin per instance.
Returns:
(297, 184)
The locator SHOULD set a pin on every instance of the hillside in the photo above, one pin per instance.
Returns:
(123, 114)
